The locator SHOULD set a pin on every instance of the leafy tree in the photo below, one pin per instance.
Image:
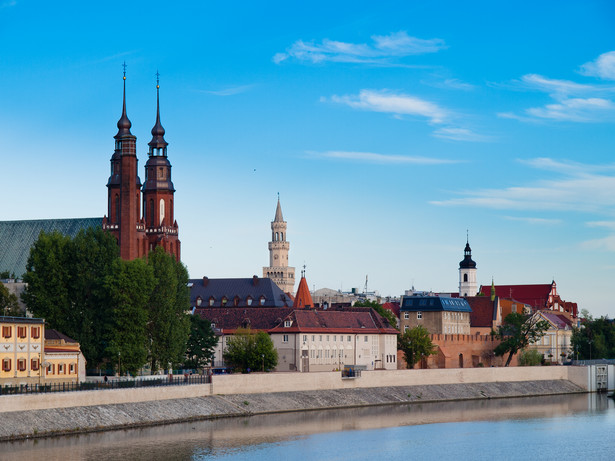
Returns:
(517, 332)
(7, 275)
(9, 304)
(129, 286)
(416, 344)
(247, 349)
(530, 358)
(169, 305)
(594, 339)
(201, 343)
(387, 314)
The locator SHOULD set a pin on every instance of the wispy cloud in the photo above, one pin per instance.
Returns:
(393, 103)
(540, 221)
(603, 224)
(585, 190)
(383, 50)
(603, 66)
(572, 101)
(385, 159)
(605, 243)
(401, 105)
(460, 134)
(229, 91)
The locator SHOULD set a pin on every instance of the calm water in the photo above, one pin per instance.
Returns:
(546, 428)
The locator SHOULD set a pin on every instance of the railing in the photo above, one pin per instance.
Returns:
(113, 383)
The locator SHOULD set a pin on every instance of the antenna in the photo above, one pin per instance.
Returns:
(365, 289)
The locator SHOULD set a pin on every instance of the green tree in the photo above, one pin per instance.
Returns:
(247, 349)
(517, 332)
(387, 314)
(9, 304)
(169, 305)
(416, 344)
(595, 338)
(201, 343)
(530, 358)
(7, 275)
(129, 285)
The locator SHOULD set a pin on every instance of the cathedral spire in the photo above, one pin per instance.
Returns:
(278, 212)
(158, 146)
(123, 123)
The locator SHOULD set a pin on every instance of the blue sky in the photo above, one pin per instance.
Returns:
(388, 131)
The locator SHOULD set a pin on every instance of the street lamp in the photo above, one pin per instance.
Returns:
(119, 364)
(263, 356)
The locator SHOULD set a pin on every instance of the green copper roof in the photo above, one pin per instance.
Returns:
(17, 237)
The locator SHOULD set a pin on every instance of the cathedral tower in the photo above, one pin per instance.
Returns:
(158, 192)
(467, 274)
(124, 190)
(278, 269)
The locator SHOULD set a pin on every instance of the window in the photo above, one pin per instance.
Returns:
(419, 315)
(21, 364)
(49, 369)
(465, 277)
(61, 369)
(285, 338)
(334, 338)
(262, 300)
(213, 325)
(327, 337)
(211, 301)
(34, 364)
(320, 338)
(7, 332)
(406, 328)
(198, 301)
(287, 323)
(22, 332)
(6, 365)
(366, 339)
(313, 337)
(349, 339)
(406, 315)
(35, 332)
(236, 301)
(224, 301)
(342, 338)
(249, 300)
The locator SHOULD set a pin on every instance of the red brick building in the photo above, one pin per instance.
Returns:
(138, 232)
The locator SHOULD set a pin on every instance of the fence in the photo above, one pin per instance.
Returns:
(101, 385)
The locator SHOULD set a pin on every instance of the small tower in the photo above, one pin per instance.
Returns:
(303, 299)
(467, 274)
(124, 190)
(158, 192)
(278, 270)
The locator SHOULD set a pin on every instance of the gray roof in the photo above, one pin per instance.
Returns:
(17, 237)
(434, 303)
(243, 289)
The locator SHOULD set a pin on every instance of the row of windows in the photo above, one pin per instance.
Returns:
(419, 315)
(349, 338)
(236, 301)
(22, 332)
(21, 364)
(279, 275)
(326, 354)
(61, 369)
(391, 358)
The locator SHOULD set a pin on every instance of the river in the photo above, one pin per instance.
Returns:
(574, 427)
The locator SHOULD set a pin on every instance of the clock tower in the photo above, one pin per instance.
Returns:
(278, 270)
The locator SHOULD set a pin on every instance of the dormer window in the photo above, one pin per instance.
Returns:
(213, 325)
(261, 301)
(249, 301)
(212, 300)
(199, 301)
(224, 301)
(236, 301)
(287, 323)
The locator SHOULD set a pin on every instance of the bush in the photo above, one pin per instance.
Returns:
(530, 358)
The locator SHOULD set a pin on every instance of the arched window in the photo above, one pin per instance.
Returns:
(151, 213)
(465, 277)
(161, 211)
(277, 236)
(282, 236)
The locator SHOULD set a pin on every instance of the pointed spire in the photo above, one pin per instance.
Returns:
(303, 298)
(123, 123)
(278, 212)
(492, 290)
(158, 141)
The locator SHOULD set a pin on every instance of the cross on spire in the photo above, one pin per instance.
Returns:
(124, 66)
(157, 79)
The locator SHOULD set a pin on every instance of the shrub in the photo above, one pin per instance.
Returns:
(530, 358)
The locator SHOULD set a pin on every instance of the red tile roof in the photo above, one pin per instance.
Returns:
(313, 321)
(228, 319)
(303, 298)
(483, 311)
(536, 296)
(559, 320)
(393, 307)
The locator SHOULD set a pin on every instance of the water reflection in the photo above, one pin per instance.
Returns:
(245, 435)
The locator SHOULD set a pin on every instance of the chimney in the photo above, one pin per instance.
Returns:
(205, 281)
(255, 280)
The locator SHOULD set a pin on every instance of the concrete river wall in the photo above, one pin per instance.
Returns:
(36, 415)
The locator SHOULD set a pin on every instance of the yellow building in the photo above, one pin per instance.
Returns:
(21, 350)
(64, 361)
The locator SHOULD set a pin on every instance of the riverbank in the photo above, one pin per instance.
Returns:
(80, 419)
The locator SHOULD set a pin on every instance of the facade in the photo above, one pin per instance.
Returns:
(21, 351)
(138, 232)
(240, 292)
(439, 315)
(556, 345)
(279, 270)
(64, 361)
(467, 274)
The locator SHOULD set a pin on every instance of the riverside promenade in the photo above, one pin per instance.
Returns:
(39, 415)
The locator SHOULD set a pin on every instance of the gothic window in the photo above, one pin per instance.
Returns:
(161, 211)
(282, 236)
(151, 213)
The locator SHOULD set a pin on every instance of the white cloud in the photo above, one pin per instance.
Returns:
(386, 159)
(393, 103)
(582, 190)
(605, 243)
(229, 91)
(604, 224)
(603, 67)
(459, 134)
(534, 220)
(575, 110)
(382, 50)
(554, 86)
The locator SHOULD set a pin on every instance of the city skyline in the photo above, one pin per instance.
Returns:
(388, 131)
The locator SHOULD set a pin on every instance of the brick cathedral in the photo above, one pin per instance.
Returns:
(139, 233)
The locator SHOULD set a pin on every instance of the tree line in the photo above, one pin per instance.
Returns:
(124, 313)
